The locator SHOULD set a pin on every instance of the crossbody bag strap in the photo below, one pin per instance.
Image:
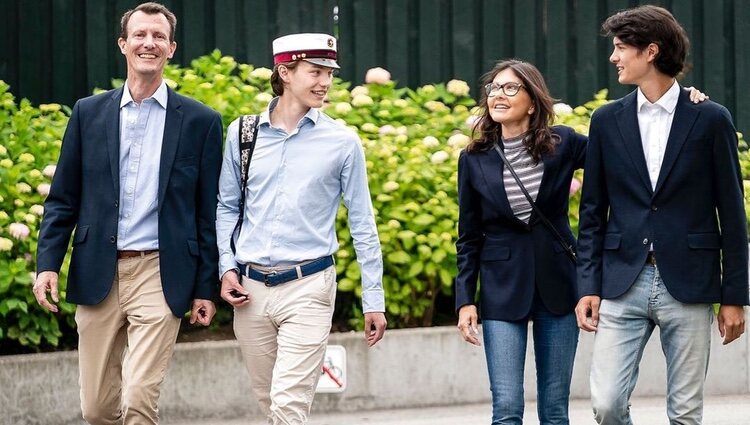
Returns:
(568, 248)
(248, 130)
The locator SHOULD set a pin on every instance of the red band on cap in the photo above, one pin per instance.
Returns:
(303, 54)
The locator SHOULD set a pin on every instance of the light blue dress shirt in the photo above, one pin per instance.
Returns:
(141, 134)
(294, 190)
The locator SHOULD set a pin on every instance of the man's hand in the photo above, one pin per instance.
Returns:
(202, 312)
(467, 324)
(374, 320)
(587, 312)
(731, 321)
(232, 291)
(46, 281)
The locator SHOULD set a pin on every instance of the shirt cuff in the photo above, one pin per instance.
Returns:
(373, 301)
(226, 263)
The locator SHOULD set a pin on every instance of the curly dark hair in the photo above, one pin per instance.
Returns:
(541, 140)
(643, 25)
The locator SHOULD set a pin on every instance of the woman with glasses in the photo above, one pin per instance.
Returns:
(527, 273)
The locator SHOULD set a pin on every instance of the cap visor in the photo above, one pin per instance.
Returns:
(330, 63)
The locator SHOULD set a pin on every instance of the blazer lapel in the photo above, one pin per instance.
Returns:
(684, 118)
(170, 140)
(112, 130)
(627, 123)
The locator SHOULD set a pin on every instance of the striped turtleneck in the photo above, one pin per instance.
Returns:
(528, 172)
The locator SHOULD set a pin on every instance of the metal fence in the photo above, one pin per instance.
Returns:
(58, 50)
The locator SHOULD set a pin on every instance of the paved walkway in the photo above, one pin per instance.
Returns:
(725, 410)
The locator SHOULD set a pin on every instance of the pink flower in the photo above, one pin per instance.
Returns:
(575, 185)
(377, 76)
(49, 170)
(43, 189)
(19, 231)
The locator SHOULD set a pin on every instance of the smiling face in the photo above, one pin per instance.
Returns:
(147, 47)
(633, 65)
(510, 111)
(307, 83)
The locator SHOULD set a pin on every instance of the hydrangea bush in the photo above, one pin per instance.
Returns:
(412, 139)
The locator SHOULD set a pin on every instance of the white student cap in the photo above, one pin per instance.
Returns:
(319, 49)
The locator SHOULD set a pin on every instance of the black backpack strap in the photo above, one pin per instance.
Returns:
(566, 246)
(248, 134)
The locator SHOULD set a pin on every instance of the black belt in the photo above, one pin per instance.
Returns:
(279, 277)
(651, 258)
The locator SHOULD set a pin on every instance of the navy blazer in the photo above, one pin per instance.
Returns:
(695, 217)
(85, 194)
(513, 259)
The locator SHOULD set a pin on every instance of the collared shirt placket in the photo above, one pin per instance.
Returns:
(135, 129)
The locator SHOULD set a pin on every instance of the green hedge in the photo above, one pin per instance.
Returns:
(412, 139)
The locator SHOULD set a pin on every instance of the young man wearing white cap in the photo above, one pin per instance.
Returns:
(281, 280)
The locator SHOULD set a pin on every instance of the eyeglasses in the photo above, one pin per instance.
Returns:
(510, 89)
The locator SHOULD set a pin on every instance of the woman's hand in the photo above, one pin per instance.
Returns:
(467, 324)
(696, 96)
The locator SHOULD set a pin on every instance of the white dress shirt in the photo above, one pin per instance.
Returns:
(655, 122)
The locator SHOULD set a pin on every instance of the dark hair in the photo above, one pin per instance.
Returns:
(643, 25)
(276, 82)
(541, 140)
(150, 8)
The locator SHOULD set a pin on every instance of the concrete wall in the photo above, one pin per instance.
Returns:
(409, 368)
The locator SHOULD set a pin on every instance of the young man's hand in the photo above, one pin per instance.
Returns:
(587, 312)
(731, 321)
(375, 324)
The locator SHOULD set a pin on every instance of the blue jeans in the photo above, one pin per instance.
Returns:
(625, 325)
(555, 341)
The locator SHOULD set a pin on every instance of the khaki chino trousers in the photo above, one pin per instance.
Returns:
(125, 344)
(283, 333)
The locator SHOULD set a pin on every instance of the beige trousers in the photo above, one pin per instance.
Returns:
(283, 333)
(124, 346)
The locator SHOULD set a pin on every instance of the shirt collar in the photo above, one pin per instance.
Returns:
(668, 101)
(265, 117)
(160, 95)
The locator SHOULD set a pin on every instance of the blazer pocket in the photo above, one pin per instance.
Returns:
(612, 241)
(495, 253)
(193, 247)
(704, 240)
(80, 234)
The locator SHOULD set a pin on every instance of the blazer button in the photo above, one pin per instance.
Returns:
(654, 208)
(645, 241)
(112, 239)
(117, 204)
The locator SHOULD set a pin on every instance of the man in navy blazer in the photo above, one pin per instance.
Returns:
(137, 179)
(662, 224)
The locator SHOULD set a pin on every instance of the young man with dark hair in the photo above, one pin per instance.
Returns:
(662, 228)
(282, 280)
(137, 179)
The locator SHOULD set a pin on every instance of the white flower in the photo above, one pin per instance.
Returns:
(23, 188)
(430, 141)
(472, 121)
(402, 130)
(343, 108)
(400, 103)
(369, 127)
(390, 186)
(360, 90)
(458, 87)
(3, 151)
(43, 189)
(562, 109)
(377, 76)
(19, 231)
(428, 88)
(36, 209)
(6, 163)
(263, 97)
(3, 215)
(439, 157)
(26, 157)
(387, 129)
(458, 140)
(171, 83)
(262, 73)
(362, 100)
(5, 244)
(49, 170)
(435, 106)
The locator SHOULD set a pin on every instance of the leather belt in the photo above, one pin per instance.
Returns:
(130, 253)
(651, 258)
(279, 277)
